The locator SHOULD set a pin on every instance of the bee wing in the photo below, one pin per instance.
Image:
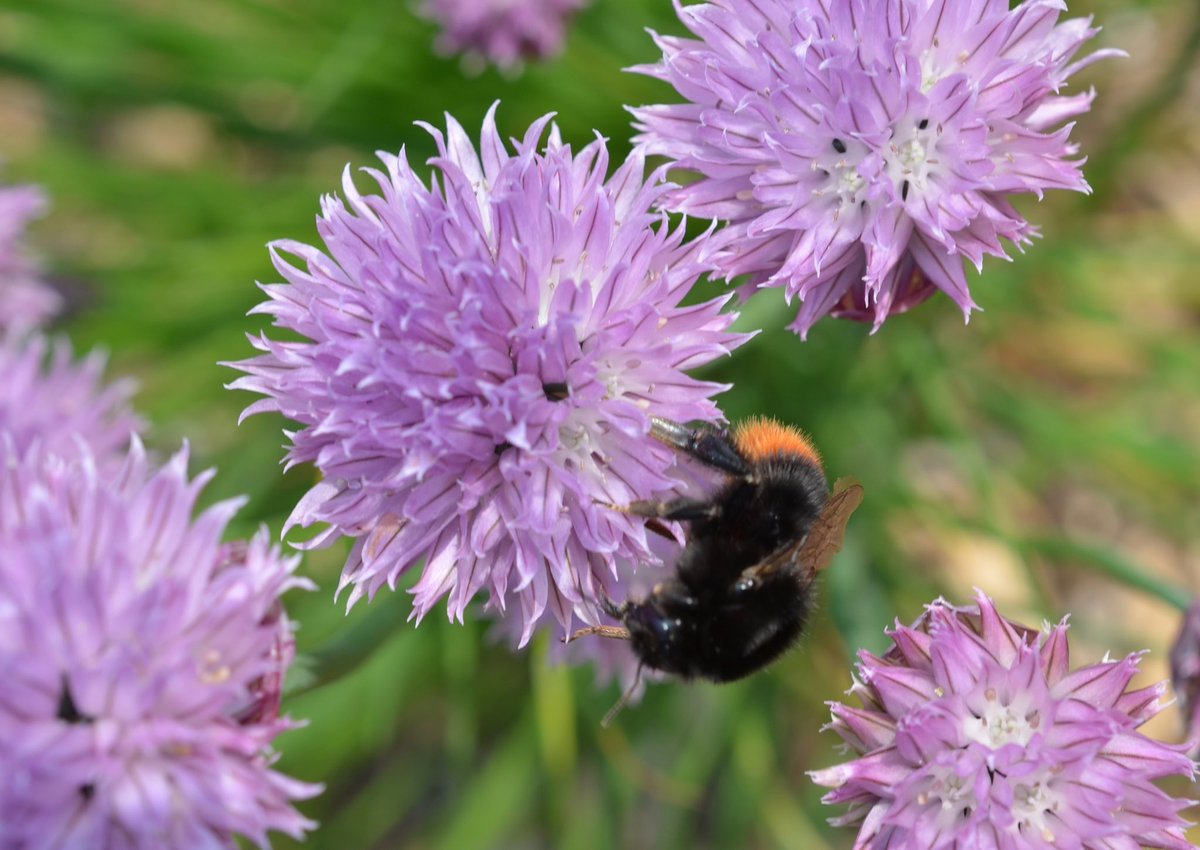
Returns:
(785, 559)
(824, 539)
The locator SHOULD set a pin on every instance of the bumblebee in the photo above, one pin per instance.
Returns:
(743, 584)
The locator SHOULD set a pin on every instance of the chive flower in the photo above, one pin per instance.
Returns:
(25, 299)
(142, 661)
(477, 365)
(973, 731)
(49, 398)
(861, 150)
(504, 33)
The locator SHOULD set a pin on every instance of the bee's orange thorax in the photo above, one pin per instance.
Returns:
(759, 438)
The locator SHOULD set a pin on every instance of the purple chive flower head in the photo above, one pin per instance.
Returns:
(48, 398)
(1185, 671)
(974, 732)
(25, 301)
(142, 660)
(503, 32)
(481, 360)
(860, 150)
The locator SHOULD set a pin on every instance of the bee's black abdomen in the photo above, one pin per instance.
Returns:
(757, 630)
(740, 596)
(720, 639)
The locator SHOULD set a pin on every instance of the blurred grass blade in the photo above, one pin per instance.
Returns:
(498, 797)
(1110, 563)
(353, 646)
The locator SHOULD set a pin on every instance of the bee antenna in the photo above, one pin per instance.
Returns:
(624, 700)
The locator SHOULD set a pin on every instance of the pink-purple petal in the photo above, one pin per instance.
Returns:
(49, 399)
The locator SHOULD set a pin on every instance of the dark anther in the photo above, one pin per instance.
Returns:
(839, 146)
(68, 712)
(904, 191)
(87, 791)
(499, 450)
(556, 391)
(923, 123)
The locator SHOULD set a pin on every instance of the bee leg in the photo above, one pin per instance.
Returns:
(708, 445)
(614, 632)
(679, 509)
(654, 511)
(612, 609)
(661, 530)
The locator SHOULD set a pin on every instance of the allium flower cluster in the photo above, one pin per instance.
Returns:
(503, 32)
(48, 398)
(860, 150)
(482, 356)
(142, 661)
(25, 301)
(974, 732)
(1185, 672)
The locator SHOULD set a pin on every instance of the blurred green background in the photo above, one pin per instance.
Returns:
(1048, 452)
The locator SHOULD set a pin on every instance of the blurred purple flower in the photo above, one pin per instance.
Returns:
(860, 150)
(975, 733)
(503, 32)
(142, 660)
(481, 362)
(48, 398)
(25, 301)
(1185, 672)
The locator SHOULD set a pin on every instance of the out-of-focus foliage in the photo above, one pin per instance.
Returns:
(1049, 452)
